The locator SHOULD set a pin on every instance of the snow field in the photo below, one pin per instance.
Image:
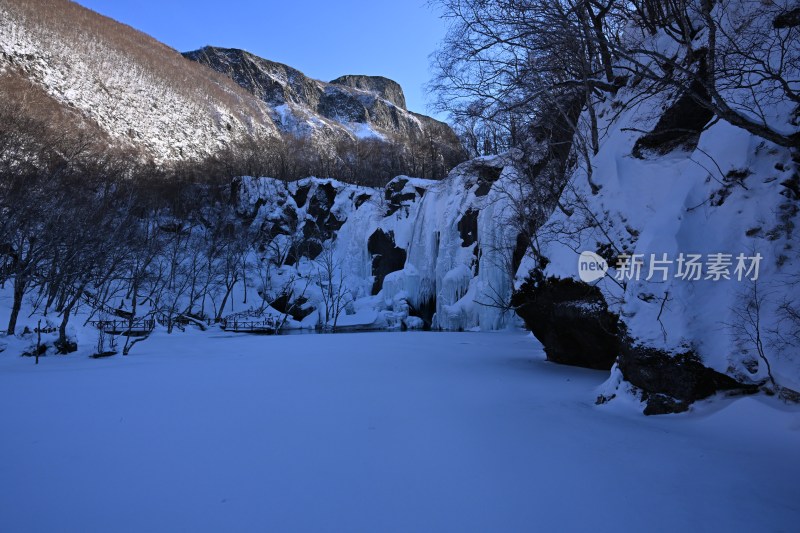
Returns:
(374, 432)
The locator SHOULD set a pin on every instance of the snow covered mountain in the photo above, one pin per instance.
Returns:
(139, 92)
(349, 107)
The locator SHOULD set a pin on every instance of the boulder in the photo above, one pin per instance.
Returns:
(671, 382)
(571, 319)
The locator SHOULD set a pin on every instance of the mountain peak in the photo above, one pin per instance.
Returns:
(385, 88)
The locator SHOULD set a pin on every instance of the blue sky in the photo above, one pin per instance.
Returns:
(324, 39)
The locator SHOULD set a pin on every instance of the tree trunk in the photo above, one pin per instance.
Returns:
(20, 282)
(135, 290)
(221, 309)
(62, 343)
(602, 44)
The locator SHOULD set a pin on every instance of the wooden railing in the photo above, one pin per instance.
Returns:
(125, 327)
(268, 325)
(93, 301)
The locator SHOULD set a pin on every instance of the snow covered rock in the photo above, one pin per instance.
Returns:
(689, 187)
(387, 89)
(671, 382)
(572, 320)
(434, 254)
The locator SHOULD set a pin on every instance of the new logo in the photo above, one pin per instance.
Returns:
(591, 267)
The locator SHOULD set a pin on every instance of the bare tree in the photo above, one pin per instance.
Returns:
(292, 294)
(729, 56)
(749, 329)
(329, 276)
(503, 63)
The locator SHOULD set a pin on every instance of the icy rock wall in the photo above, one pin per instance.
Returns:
(455, 236)
(465, 278)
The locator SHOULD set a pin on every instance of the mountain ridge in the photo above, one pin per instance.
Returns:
(354, 106)
(140, 95)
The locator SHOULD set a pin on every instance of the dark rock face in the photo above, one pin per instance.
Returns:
(294, 308)
(320, 204)
(342, 106)
(425, 311)
(301, 195)
(468, 227)
(486, 176)
(485, 173)
(520, 248)
(572, 321)
(397, 195)
(310, 248)
(272, 82)
(661, 404)
(386, 257)
(384, 87)
(671, 382)
(679, 126)
(321, 224)
(284, 224)
(360, 199)
(318, 225)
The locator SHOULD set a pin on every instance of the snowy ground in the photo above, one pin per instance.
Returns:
(374, 432)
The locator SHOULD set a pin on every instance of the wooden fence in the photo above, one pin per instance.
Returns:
(137, 328)
(267, 326)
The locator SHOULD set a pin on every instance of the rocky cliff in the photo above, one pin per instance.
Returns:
(349, 107)
(417, 253)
